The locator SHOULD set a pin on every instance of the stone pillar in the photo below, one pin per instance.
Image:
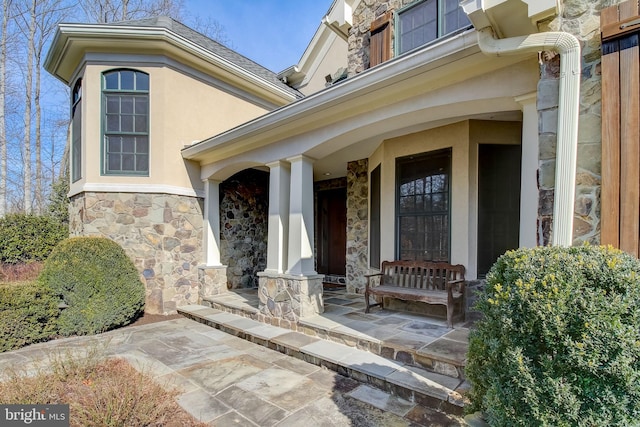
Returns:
(529, 171)
(300, 251)
(279, 196)
(285, 298)
(357, 225)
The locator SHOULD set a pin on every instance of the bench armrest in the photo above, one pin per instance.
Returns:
(459, 284)
(369, 276)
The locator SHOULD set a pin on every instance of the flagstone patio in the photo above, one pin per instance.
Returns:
(410, 355)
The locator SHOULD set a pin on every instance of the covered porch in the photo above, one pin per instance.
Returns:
(448, 98)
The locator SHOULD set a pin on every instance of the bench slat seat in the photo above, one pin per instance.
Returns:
(437, 283)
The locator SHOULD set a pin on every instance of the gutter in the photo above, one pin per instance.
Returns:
(568, 110)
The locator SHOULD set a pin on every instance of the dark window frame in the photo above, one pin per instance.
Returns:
(125, 89)
(440, 31)
(436, 161)
(374, 218)
(76, 131)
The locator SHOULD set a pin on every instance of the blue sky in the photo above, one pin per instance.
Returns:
(273, 33)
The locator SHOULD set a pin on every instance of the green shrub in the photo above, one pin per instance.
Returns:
(559, 343)
(58, 200)
(25, 238)
(97, 281)
(28, 314)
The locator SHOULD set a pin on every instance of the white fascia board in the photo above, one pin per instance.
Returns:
(375, 78)
(485, 13)
(83, 31)
(138, 188)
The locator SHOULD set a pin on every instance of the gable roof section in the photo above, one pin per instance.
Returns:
(335, 24)
(73, 41)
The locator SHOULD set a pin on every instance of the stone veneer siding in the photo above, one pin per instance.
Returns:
(366, 12)
(582, 19)
(244, 211)
(161, 233)
(287, 299)
(357, 224)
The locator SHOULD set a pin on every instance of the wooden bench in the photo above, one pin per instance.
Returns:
(430, 282)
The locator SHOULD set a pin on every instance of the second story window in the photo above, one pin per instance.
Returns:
(425, 21)
(125, 122)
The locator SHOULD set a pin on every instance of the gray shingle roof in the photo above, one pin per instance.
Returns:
(213, 47)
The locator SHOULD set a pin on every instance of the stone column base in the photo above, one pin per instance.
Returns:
(290, 297)
(213, 281)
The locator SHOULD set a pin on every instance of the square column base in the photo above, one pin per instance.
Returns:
(290, 297)
(213, 281)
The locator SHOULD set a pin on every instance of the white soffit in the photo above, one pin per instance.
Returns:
(509, 18)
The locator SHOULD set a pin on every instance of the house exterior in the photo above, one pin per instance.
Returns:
(410, 129)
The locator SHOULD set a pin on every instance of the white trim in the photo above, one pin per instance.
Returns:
(529, 171)
(145, 60)
(61, 43)
(138, 188)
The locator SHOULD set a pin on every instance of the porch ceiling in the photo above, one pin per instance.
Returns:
(444, 83)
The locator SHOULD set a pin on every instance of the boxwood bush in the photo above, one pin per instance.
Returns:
(97, 281)
(559, 343)
(28, 314)
(25, 238)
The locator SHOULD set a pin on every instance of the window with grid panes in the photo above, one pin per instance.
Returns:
(425, 21)
(125, 122)
(422, 206)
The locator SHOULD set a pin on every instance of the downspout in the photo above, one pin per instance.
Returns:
(568, 109)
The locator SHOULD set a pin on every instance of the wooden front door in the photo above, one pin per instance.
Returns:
(498, 202)
(332, 231)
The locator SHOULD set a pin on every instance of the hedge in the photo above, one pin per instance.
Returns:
(28, 314)
(559, 342)
(25, 238)
(97, 281)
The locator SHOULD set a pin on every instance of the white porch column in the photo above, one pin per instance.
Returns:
(211, 226)
(529, 171)
(279, 189)
(300, 253)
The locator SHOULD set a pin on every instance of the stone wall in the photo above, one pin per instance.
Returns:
(366, 12)
(357, 224)
(161, 233)
(244, 208)
(582, 19)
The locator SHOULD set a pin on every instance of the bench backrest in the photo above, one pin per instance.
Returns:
(420, 274)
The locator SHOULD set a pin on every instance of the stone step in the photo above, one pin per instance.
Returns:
(445, 356)
(415, 384)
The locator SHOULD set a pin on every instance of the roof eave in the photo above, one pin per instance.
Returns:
(66, 33)
(352, 88)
